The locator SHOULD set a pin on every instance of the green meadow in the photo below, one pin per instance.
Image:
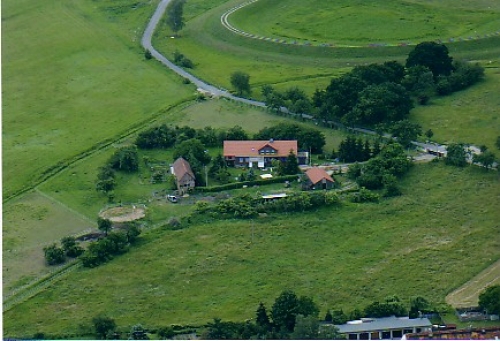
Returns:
(72, 80)
(427, 242)
(360, 23)
(76, 85)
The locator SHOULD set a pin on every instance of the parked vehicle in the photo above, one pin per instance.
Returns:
(172, 198)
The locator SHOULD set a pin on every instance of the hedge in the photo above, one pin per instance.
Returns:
(236, 185)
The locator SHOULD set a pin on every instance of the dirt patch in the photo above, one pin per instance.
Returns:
(122, 214)
(468, 294)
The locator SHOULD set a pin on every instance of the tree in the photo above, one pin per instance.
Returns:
(70, 247)
(175, 19)
(291, 166)
(166, 333)
(432, 55)
(406, 132)
(429, 134)
(103, 325)
(456, 155)
(306, 328)
(489, 299)
(125, 158)
(54, 254)
(241, 82)
(287, 306)
(486, 159)
(417, 306)
(105, 179)
(104, 225)
(261, 318)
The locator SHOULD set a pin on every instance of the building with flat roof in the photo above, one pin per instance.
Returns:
(386, 328)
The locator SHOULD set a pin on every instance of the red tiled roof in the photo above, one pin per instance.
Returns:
(251, 148)
(182, 167)
(317, 174)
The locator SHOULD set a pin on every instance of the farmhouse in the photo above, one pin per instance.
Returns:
(260, 153)
(385, 328)
(184, 176)
(317, 178)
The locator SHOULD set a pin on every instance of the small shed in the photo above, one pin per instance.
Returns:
(318, 178)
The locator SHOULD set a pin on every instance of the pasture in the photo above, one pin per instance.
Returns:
(73, 79)
(427, 242)
(76, 85)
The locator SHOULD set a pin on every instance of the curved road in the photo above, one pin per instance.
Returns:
(146, 43)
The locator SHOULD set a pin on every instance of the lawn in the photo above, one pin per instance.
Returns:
(74, 76)
(427, 242)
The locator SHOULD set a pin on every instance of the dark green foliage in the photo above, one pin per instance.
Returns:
(429, 134)
(54, 255)
(218, 330)
(182, 60)
(417, 305)
(104, 224)
(148, 55)
(419, 81)
(194, 152)
(351, 150)
(125, 159)
(241, 82)
(234, 185)
(380, 103)
(287, 306)
(175, 19)
(166, 333)
(489, 299)
(70, 247)
(391, 307)
(338, 317)
(464, 75)
(456, 155)
(106, 179)
(132, 232)
(261, 318)
(138, 333)
(105, 249)
(486, 159)
(235, 133)
(157, 137)
(432, 55)
(365, 195)
(103, 325)
(328, 316)
(306, 328)
(380, 73)
(497, 142)
(307, 138)
(405, 132)
(291, 165)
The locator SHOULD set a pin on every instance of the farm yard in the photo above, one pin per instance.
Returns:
(95, 91)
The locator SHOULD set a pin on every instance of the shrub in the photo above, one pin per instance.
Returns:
(365, 195)
(54, 254)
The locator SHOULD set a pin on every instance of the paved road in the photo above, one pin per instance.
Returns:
(146, 43)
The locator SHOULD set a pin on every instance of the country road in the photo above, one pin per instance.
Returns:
(146, 43)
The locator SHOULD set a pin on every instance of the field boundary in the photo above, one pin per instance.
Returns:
(467, 294)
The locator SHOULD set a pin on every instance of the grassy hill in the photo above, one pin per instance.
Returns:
(427, 243)
(76, 85)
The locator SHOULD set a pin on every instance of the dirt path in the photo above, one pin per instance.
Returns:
(467, 295)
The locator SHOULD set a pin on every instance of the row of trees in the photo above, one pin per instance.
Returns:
(125, 158)
(246, 206)
(69, 248)
(391, 306)
(352, 149)
(291, 317)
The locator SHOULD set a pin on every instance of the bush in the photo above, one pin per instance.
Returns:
(54, 254)
(365, 195)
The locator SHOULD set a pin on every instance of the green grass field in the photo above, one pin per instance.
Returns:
(75, 85)
(72, 79)
(427, 242)
(360, 23)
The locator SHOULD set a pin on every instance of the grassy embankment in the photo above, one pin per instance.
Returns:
(427, 242)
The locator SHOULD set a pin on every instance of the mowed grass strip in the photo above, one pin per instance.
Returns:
(427, 242)
(71, 79)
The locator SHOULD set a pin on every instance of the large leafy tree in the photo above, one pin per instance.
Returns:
(489, 299)
(406, 132)
(241, 82)
(291, 166)
(432, 55)
(287, 306)
(103, 325)
(456, 155)
(125, 158)
(175, 11)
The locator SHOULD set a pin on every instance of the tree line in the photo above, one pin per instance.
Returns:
(381, 93)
